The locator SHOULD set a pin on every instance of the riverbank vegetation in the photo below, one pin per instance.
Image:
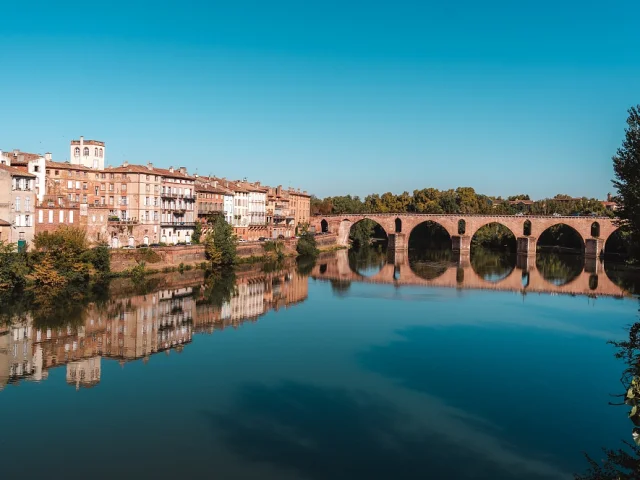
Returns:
(220, 243)
(307, 246)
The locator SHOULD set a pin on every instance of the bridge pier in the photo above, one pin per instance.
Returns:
(593, 247)
(460, 243)
(526, 262)
(592, 265)
(397, 248)
(526, 245)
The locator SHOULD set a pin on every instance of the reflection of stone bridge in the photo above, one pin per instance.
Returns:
(524, 278)
(526, 229)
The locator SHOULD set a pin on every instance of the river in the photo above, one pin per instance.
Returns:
(316, 372)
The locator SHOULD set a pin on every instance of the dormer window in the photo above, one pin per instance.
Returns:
(77, 152)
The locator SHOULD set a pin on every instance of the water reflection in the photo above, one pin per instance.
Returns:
(491, 265)
(131, 325)
(559, 269)
(367, 261)
(430, 263)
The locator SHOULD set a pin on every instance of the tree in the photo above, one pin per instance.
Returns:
(197, 233)
(306, 246)
(13, 267)
(626, 166)
(220, 243)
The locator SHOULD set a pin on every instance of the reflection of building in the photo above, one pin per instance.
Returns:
(136, 327)
(84, 373)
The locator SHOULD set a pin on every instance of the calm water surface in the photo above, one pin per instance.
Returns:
(319, 377)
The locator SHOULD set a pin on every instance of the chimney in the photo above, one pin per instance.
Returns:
(125, 164)
(215, 183)
(257, 184)
(183, 170)
(150, 165)
(47, 157)
(16, 151)
(81, 140)
(171, 169)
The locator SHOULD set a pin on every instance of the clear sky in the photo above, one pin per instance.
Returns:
(335, 96)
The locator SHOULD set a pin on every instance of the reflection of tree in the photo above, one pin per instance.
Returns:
(304, 265)
(492, 265)
(431, 263)
(219, 287)
(624, 463)
(366, 259)
(624, 276)
(560, 236)
(559, 269)
(340, 287)
(429, 236)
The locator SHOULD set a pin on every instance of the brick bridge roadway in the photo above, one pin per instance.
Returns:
(526, 229)
(525, 278)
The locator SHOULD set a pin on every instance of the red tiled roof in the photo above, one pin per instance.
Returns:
(4, 223)
(16, 172)
(65, 166)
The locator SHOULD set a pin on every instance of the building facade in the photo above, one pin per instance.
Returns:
(178, 197)
(17, 205)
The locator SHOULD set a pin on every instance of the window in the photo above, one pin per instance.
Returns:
(40, 216)
(70, 216)
(95, 152)
(84, 199)
(61, 216)
(85, 186)
(76, 152)
(69, 183)
(57, 172)
(50, 216)
(36, 168)
(17, 205)
(123, 187)
(27, 204)
(100, 153)
(77, 185)
(86, 151)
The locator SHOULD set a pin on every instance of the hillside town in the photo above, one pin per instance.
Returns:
(135, 204)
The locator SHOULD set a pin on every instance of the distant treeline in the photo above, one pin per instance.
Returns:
(463, 200)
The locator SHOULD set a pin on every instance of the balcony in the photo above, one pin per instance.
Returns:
(123, 221)
(177, 224)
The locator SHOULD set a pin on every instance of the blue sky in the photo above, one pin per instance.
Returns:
(335, 97)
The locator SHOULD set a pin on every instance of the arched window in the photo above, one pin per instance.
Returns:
(77, 152)
(462, 227)
(100, 153)
(595, 229)
(95, 152)
(398, 225)
(526, 229)
(86, 151)
(324, 225)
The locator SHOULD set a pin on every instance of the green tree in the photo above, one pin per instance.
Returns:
(13, 267)
(626, 166)
(362, 232)
(306, 246)
(197, 233)
(220, 243)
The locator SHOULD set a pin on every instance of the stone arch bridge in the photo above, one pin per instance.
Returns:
(526, 229)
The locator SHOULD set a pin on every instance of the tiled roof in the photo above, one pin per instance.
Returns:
(4, 223)
(16, 172)
(66, 166)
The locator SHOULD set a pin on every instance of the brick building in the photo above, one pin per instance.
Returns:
(17, 205)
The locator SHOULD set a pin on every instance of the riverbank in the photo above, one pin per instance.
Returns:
(170, 258)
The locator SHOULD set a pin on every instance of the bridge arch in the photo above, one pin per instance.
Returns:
(481, 224)
(324, 226)
(344, 229)
(553, 236)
